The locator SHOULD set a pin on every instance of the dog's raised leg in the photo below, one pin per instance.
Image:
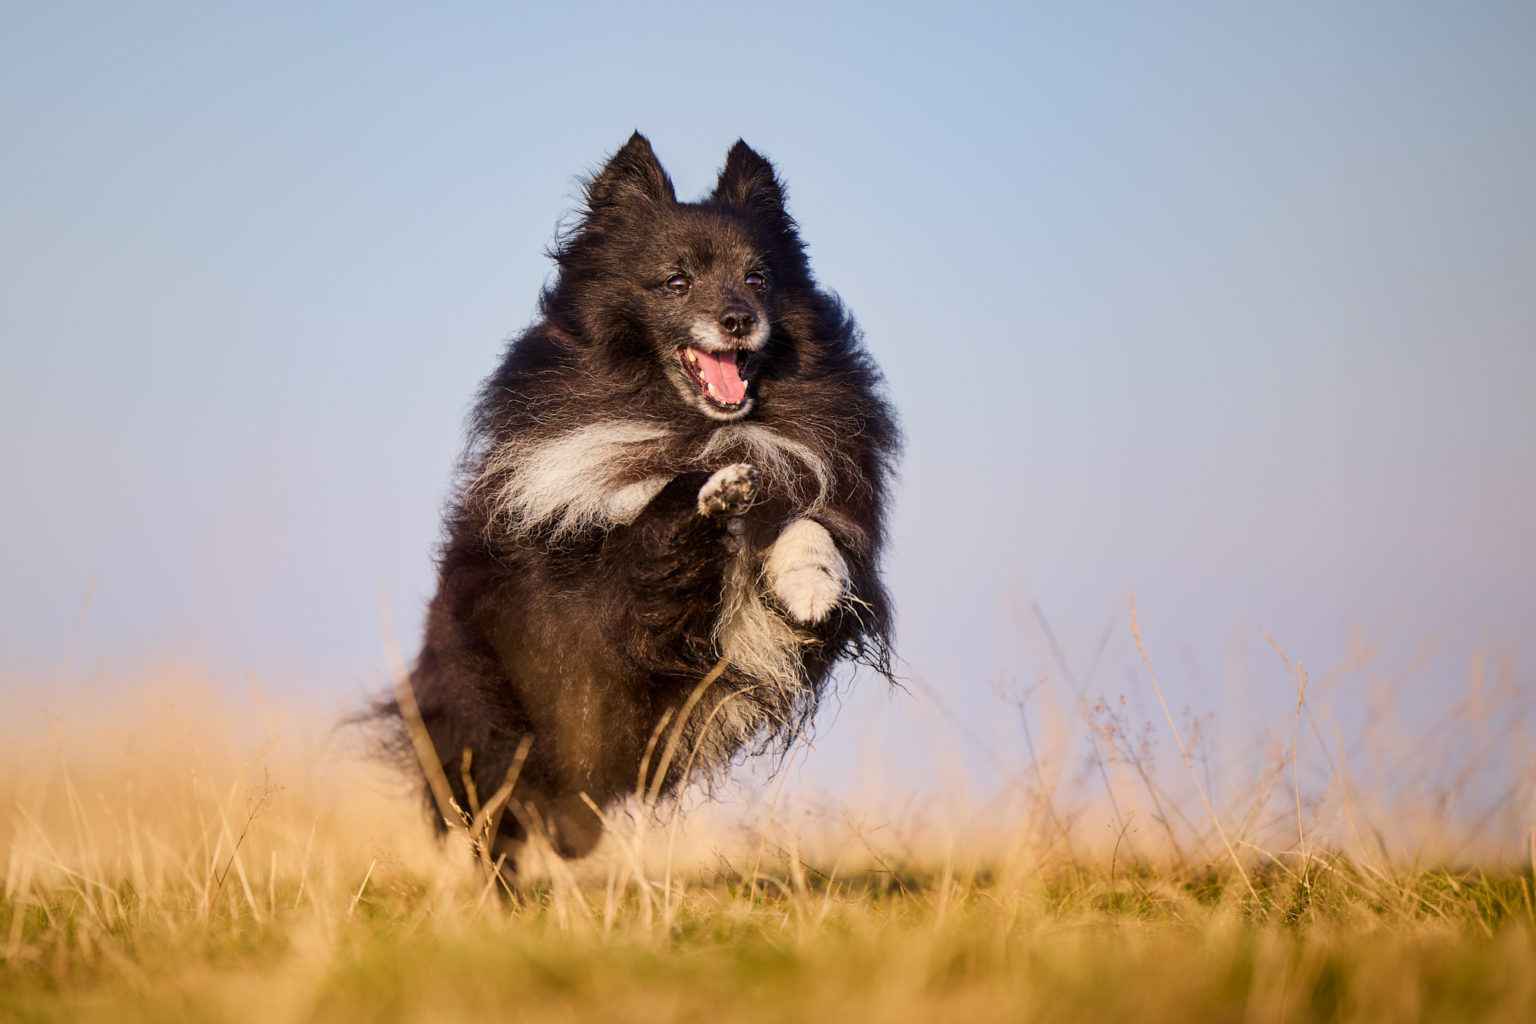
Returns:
(729, 492)
(805, 571)
(672, 552)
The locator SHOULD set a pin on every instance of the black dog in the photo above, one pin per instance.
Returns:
(683, 465)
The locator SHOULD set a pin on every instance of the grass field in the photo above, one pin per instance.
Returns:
(181, 858)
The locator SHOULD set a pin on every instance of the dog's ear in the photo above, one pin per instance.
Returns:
(748, 181)
(632, 174)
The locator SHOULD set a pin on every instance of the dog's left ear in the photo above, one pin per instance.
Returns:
(748, 181)
(632, 175)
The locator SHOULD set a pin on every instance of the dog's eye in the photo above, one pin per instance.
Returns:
(756, 281)
(679, 284)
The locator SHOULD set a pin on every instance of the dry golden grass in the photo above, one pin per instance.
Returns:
(176, 856)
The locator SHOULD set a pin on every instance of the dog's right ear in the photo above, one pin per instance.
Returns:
(748, 181)
(633, 174)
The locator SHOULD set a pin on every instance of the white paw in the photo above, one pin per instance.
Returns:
(729, 492)
(805, 571)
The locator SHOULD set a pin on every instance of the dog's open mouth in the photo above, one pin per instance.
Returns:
(718, 374)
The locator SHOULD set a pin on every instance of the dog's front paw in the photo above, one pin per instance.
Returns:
(729, 492)
(805, 571)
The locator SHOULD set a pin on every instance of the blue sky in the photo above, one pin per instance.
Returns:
(1234, 305)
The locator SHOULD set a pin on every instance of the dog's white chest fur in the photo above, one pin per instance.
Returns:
(589, 478)
(602, 475)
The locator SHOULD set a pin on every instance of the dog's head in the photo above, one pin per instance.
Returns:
(687, 291)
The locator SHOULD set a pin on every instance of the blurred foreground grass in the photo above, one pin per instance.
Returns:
(173, 858)
(962, 948)
(1040, 942)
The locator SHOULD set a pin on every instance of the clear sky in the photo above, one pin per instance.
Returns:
(1233, 304)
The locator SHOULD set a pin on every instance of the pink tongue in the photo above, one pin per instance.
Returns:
(720, 371)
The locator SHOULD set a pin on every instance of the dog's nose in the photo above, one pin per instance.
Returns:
(738, 321)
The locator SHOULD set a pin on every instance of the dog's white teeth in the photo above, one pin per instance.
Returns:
(710, 389)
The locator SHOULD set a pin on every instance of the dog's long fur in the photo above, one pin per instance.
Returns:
(619, 528)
